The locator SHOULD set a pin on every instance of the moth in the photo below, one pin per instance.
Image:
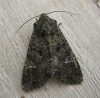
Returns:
(49, 54)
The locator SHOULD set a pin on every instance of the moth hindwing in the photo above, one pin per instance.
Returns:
(49, 54)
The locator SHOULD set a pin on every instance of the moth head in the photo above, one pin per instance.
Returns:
(45, 26)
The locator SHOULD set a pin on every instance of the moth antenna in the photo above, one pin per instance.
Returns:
(25, 23)
(38, 16)
(61, 11)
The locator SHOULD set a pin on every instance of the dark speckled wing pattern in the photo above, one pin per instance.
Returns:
(48, 55)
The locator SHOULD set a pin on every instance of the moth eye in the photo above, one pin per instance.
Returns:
(39, 52)
(44, 20)
(35, 25)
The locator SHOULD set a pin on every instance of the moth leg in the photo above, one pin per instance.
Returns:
(59, 24)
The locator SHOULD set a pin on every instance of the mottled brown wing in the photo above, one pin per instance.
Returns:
(36, 70)
(68, 69)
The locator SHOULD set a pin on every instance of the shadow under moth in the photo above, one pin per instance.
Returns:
(49, 54)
